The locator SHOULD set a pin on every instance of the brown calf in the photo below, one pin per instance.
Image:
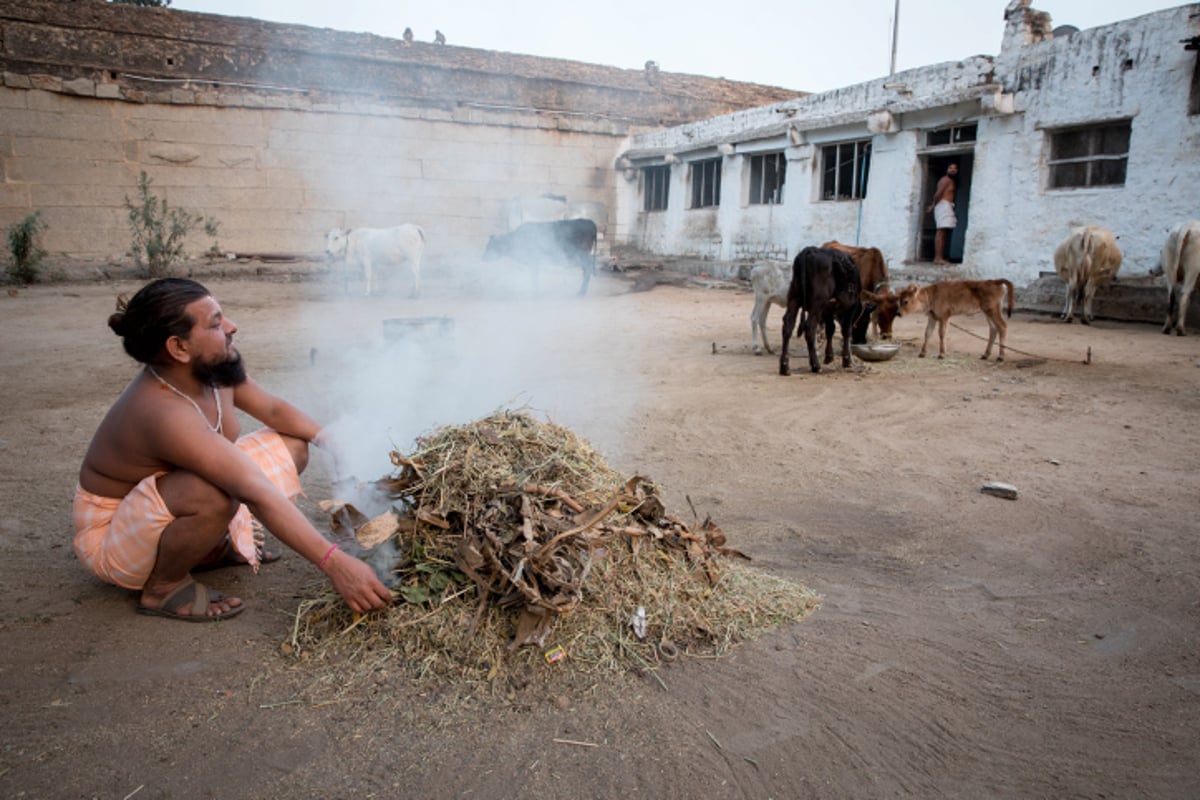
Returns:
(940, 301)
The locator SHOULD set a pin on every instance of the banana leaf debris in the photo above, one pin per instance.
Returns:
(509, 532)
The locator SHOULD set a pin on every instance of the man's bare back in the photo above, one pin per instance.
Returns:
(945, 190)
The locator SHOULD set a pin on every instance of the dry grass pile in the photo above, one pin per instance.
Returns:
(508, 532)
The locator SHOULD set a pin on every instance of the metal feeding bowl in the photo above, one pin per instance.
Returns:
(875, 351)
(417, 328)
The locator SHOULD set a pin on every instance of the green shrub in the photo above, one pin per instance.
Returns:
(25, 250)
(159, 231)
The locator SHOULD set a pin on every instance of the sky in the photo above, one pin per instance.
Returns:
(802, 45)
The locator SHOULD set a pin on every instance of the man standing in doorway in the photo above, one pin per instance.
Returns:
(942, 208)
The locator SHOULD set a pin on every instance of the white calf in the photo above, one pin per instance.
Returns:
(770, 281)
(367, 247)
(1181, 266)
(1086, 260)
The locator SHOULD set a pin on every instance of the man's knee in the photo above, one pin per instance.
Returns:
(298, 449)
(186, 494)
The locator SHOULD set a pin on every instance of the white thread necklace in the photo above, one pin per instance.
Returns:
(216, 396)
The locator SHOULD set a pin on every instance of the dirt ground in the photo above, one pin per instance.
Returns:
(966, 645)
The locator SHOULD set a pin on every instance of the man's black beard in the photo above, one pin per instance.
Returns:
(230, 372)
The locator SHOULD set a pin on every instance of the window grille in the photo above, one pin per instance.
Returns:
(706, 183)
(655, 185)
(767, 173)
(846, 167)
(1093, 156)
(956, 134)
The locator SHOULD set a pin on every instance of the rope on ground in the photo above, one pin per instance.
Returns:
(1087, 360)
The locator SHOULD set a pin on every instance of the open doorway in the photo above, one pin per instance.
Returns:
(935, 168)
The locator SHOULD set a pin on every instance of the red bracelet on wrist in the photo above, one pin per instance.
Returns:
(325, 558)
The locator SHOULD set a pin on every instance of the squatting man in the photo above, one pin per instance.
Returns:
(169, 486)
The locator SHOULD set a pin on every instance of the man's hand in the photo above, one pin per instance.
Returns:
(357, 583)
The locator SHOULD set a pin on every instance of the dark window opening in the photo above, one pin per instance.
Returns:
(706, 183)
(952, 135)
(767, 173)
(846, 168)
(655, 184)
(1194, 95)
(1092, 156)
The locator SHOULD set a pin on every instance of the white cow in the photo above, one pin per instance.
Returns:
(368, 247)
(1181, 265)
(1086, 260)
(770, 281)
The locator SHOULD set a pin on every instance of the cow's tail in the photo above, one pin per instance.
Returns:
(1177, 278)
(421, 233)
(1011, 295)
(1089, 255)
(804, 277)
(1087, 258)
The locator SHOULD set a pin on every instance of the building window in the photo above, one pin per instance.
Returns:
(1092, 156)
(957, 134)
(767, 172)
(1194, 93)
(846, 169)
(655, 183)
(706, 183)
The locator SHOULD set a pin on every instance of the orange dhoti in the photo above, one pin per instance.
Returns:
(117, 538)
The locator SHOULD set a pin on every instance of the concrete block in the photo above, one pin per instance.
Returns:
(278, 179)
(90, 149)
(46, 83)
(67, 172)
(82, 196)
(231, 200)
(14, 80)
(166, 177)
(14, 99)
(197, 130)
(79, 86)
(15, 197)
(108, 91)
(54, 126)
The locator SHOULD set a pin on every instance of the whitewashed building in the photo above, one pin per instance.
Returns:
(1061, 128)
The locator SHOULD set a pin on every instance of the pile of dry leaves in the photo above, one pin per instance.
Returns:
(508, 532)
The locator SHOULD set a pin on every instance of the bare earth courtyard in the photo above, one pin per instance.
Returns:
(967, 646)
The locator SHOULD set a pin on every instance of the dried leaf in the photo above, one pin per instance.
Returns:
(378, 530)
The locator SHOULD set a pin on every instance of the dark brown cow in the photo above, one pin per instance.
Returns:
(825, 287)
(872, 269)
(940, 301)
(873, 272)
(568, 240)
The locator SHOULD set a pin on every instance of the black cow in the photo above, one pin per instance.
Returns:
(825, 287)
(570, 240)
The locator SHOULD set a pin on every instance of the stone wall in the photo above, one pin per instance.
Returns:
(282, 132)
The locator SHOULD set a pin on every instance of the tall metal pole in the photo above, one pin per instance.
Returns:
(895, 35)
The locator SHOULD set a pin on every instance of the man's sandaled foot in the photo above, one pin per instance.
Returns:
(230, 557)
(198, 599)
